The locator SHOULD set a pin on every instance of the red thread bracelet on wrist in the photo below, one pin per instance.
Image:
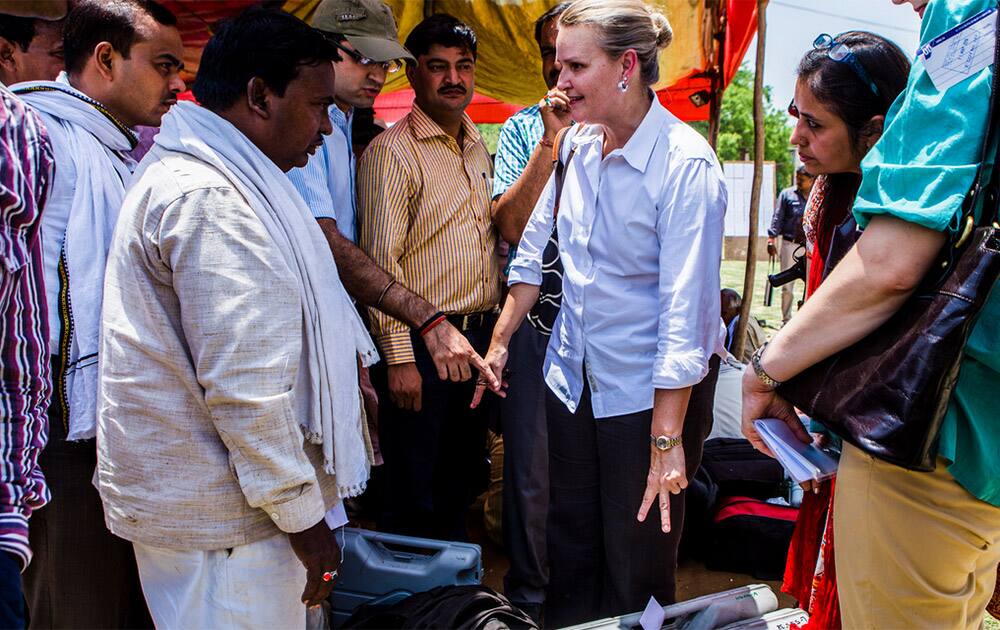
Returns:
(429, 326)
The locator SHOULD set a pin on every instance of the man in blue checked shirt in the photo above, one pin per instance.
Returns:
(523, 165)
(365, 33)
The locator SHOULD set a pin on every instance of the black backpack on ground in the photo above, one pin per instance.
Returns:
(738, 469)
(750, 536)
(473, 607)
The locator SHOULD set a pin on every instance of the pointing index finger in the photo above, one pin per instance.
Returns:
(484, 370)
(665, 511)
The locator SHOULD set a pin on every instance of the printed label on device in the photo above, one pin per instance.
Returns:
(962, 52)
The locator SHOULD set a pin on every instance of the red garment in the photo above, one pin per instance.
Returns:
(817, 268)
(828, 206)
(810, 574)
(806, 541)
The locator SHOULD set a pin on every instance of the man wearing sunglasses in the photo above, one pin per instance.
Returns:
(365, 33)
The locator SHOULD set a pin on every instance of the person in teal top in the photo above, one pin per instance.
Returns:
(914, 550)
(921, 172)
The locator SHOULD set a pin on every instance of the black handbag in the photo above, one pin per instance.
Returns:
(888, 393)
(543, 314)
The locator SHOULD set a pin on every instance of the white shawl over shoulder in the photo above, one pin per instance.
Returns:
(333, 334)
(84, 131)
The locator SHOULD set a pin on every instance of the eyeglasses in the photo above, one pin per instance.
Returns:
(842, 53)
(389, 66)
(793, 109)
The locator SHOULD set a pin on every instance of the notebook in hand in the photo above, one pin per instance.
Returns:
(803, 462)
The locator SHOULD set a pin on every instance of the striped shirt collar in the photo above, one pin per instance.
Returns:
(423, 127)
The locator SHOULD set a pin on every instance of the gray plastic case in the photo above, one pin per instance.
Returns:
(386, 568)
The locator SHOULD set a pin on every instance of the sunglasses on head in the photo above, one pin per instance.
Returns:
(389, 66)
(842, 53)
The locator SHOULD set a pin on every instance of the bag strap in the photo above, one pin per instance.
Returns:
(560, 167)
(982, 187)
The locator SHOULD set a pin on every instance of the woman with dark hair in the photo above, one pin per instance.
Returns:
(844, 89)
(915, 549)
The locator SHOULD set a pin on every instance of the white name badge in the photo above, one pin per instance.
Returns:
(961, 52)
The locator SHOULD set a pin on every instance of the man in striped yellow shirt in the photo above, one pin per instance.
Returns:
(424, 216)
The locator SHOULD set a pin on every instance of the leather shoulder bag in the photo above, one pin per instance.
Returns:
(543, 314)
(888, 393)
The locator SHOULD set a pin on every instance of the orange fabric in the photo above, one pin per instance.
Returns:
(510, 76)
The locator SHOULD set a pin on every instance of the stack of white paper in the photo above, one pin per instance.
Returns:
(803, 462)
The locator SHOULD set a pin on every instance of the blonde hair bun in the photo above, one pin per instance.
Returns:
(661, 26)
(622, 25)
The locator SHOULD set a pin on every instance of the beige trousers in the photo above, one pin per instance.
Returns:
(913, 549)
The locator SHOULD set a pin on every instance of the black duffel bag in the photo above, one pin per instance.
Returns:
(467, 607)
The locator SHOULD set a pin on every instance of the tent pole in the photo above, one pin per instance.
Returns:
(719, 74)
(428, 8)
(758, 177)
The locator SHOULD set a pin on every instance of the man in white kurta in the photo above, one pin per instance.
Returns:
(230, 416)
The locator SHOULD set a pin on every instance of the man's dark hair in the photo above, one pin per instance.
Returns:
(17, 30)
(551, 14)
(802, 171)
(264, 43)
(731, 303)
(731, 298)
(91, 22)
(441, 29)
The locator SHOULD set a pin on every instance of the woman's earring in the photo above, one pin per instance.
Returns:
(623, 85)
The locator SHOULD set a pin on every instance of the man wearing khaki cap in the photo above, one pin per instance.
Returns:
(365, 33)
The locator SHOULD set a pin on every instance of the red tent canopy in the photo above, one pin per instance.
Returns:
(196, 17)
(740, 28)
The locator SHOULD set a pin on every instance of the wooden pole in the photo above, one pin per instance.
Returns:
(758, 177)
(719, 75)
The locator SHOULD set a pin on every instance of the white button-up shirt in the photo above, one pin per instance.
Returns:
(640, 238)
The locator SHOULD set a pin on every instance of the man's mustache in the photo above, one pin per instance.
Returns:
(452, 88)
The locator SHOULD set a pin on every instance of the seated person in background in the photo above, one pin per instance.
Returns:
(731, 303)
(727, 409)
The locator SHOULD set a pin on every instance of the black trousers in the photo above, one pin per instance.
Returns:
(435, 458)
(11, 598)
(602, 561)
(81, 575)
(525, 469)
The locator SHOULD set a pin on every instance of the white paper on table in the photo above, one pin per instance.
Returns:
(652, 618)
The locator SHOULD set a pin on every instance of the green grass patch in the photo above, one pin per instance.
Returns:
(732, 278)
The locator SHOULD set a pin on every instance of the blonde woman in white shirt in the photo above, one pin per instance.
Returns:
(629, 366)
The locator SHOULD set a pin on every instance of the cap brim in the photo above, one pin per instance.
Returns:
(378, 49)
(42, 9)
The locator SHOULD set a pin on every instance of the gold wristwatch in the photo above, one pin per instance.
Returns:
(758, 369)
(663, 442)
